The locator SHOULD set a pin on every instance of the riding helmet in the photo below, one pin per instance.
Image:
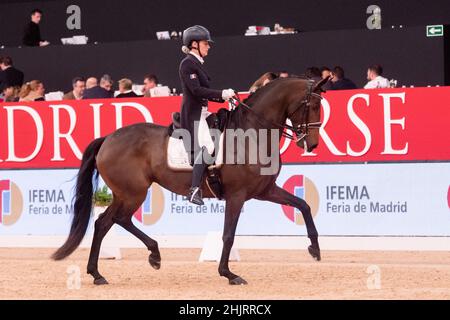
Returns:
(195, 33)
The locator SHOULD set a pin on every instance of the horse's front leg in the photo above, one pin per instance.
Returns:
(232, 213)
(281, 196)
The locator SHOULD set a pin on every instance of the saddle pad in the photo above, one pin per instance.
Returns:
(178, 158)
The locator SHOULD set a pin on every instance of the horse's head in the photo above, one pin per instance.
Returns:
(305, 115)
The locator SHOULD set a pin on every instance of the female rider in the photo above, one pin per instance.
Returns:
(196, 93)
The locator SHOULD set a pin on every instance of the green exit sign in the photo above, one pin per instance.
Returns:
(435, 31)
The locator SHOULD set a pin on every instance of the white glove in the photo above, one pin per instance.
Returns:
(227, 94)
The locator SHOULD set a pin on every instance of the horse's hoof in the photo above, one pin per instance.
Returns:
(100, 281)
(314, 252)
(238, 281)
(155, 263)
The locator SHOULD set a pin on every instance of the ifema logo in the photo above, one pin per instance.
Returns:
(448, 197)
(11, 202)
(304, 188)
(152, 208)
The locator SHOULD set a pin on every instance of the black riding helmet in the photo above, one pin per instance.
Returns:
(195, 33)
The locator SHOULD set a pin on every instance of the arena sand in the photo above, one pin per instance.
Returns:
(272, 274)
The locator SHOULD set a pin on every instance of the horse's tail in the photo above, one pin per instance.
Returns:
(83, 200)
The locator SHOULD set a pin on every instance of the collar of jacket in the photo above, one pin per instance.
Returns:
(200, 59)
(194, 58)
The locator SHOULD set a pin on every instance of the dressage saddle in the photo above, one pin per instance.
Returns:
(215, 121)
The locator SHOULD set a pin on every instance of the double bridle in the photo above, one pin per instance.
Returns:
(301, 130)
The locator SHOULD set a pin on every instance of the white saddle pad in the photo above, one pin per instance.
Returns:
(178, 158)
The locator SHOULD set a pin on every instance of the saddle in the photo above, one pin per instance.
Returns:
(215, 120)
(179, 160)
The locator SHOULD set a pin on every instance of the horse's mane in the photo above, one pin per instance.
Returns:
(253, 97)
(237, 115)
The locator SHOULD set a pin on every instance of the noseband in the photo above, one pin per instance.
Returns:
(301, 130)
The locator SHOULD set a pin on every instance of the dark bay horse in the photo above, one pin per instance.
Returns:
(132, 158)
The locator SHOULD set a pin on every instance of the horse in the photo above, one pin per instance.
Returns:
(130, 159)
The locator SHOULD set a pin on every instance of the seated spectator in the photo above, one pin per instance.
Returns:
(263, 80)
(32, 91)
(126, 89)
(339, 82)
(325, 72)
(313, 73)
(283, 74)
(79, 85)
(376, 81)
(32, 33)
(9, 76)
(10, 94)
(91, 82)
(150, 82)
(104, 91)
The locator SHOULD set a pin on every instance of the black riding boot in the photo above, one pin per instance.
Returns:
(195, 193)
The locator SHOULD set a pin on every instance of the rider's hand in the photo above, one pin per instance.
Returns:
(227, 94)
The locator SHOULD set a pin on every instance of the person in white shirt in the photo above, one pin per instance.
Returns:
(376, 81)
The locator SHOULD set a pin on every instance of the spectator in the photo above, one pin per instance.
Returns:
(91, 82)
(283, 74)
(32, 91)
(263, 80)
(313, 73)
(10, 94)
(150, 82)
(104, 91)
(126, 89)
(325, 71)
(376, 81)
(79, 85)
(9, 76)
(339, 82)
(32, 34)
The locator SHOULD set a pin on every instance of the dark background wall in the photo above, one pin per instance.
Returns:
(334, 32)
(406, 54)
(112, 20)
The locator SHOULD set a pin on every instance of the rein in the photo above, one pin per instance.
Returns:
(301, 131)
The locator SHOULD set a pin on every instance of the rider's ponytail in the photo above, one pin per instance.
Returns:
(185, 49)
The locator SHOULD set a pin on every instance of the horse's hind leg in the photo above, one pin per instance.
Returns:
(281, 196)
(124, 220)
(102, 226)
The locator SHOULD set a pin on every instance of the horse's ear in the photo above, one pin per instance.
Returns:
(318, 85)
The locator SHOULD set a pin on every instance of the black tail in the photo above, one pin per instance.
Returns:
(83, 201)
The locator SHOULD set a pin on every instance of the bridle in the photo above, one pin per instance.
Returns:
(301, 130)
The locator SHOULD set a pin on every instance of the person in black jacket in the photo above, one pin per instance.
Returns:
(32, 33)
(196, 93)
(103, 91)
(126, 89)
(9, 76)
(339, 82)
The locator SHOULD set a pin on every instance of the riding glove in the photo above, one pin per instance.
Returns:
(228, 94)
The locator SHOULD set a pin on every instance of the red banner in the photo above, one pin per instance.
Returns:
(359, 126)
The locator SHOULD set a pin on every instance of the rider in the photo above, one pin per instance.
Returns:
(196, 93)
